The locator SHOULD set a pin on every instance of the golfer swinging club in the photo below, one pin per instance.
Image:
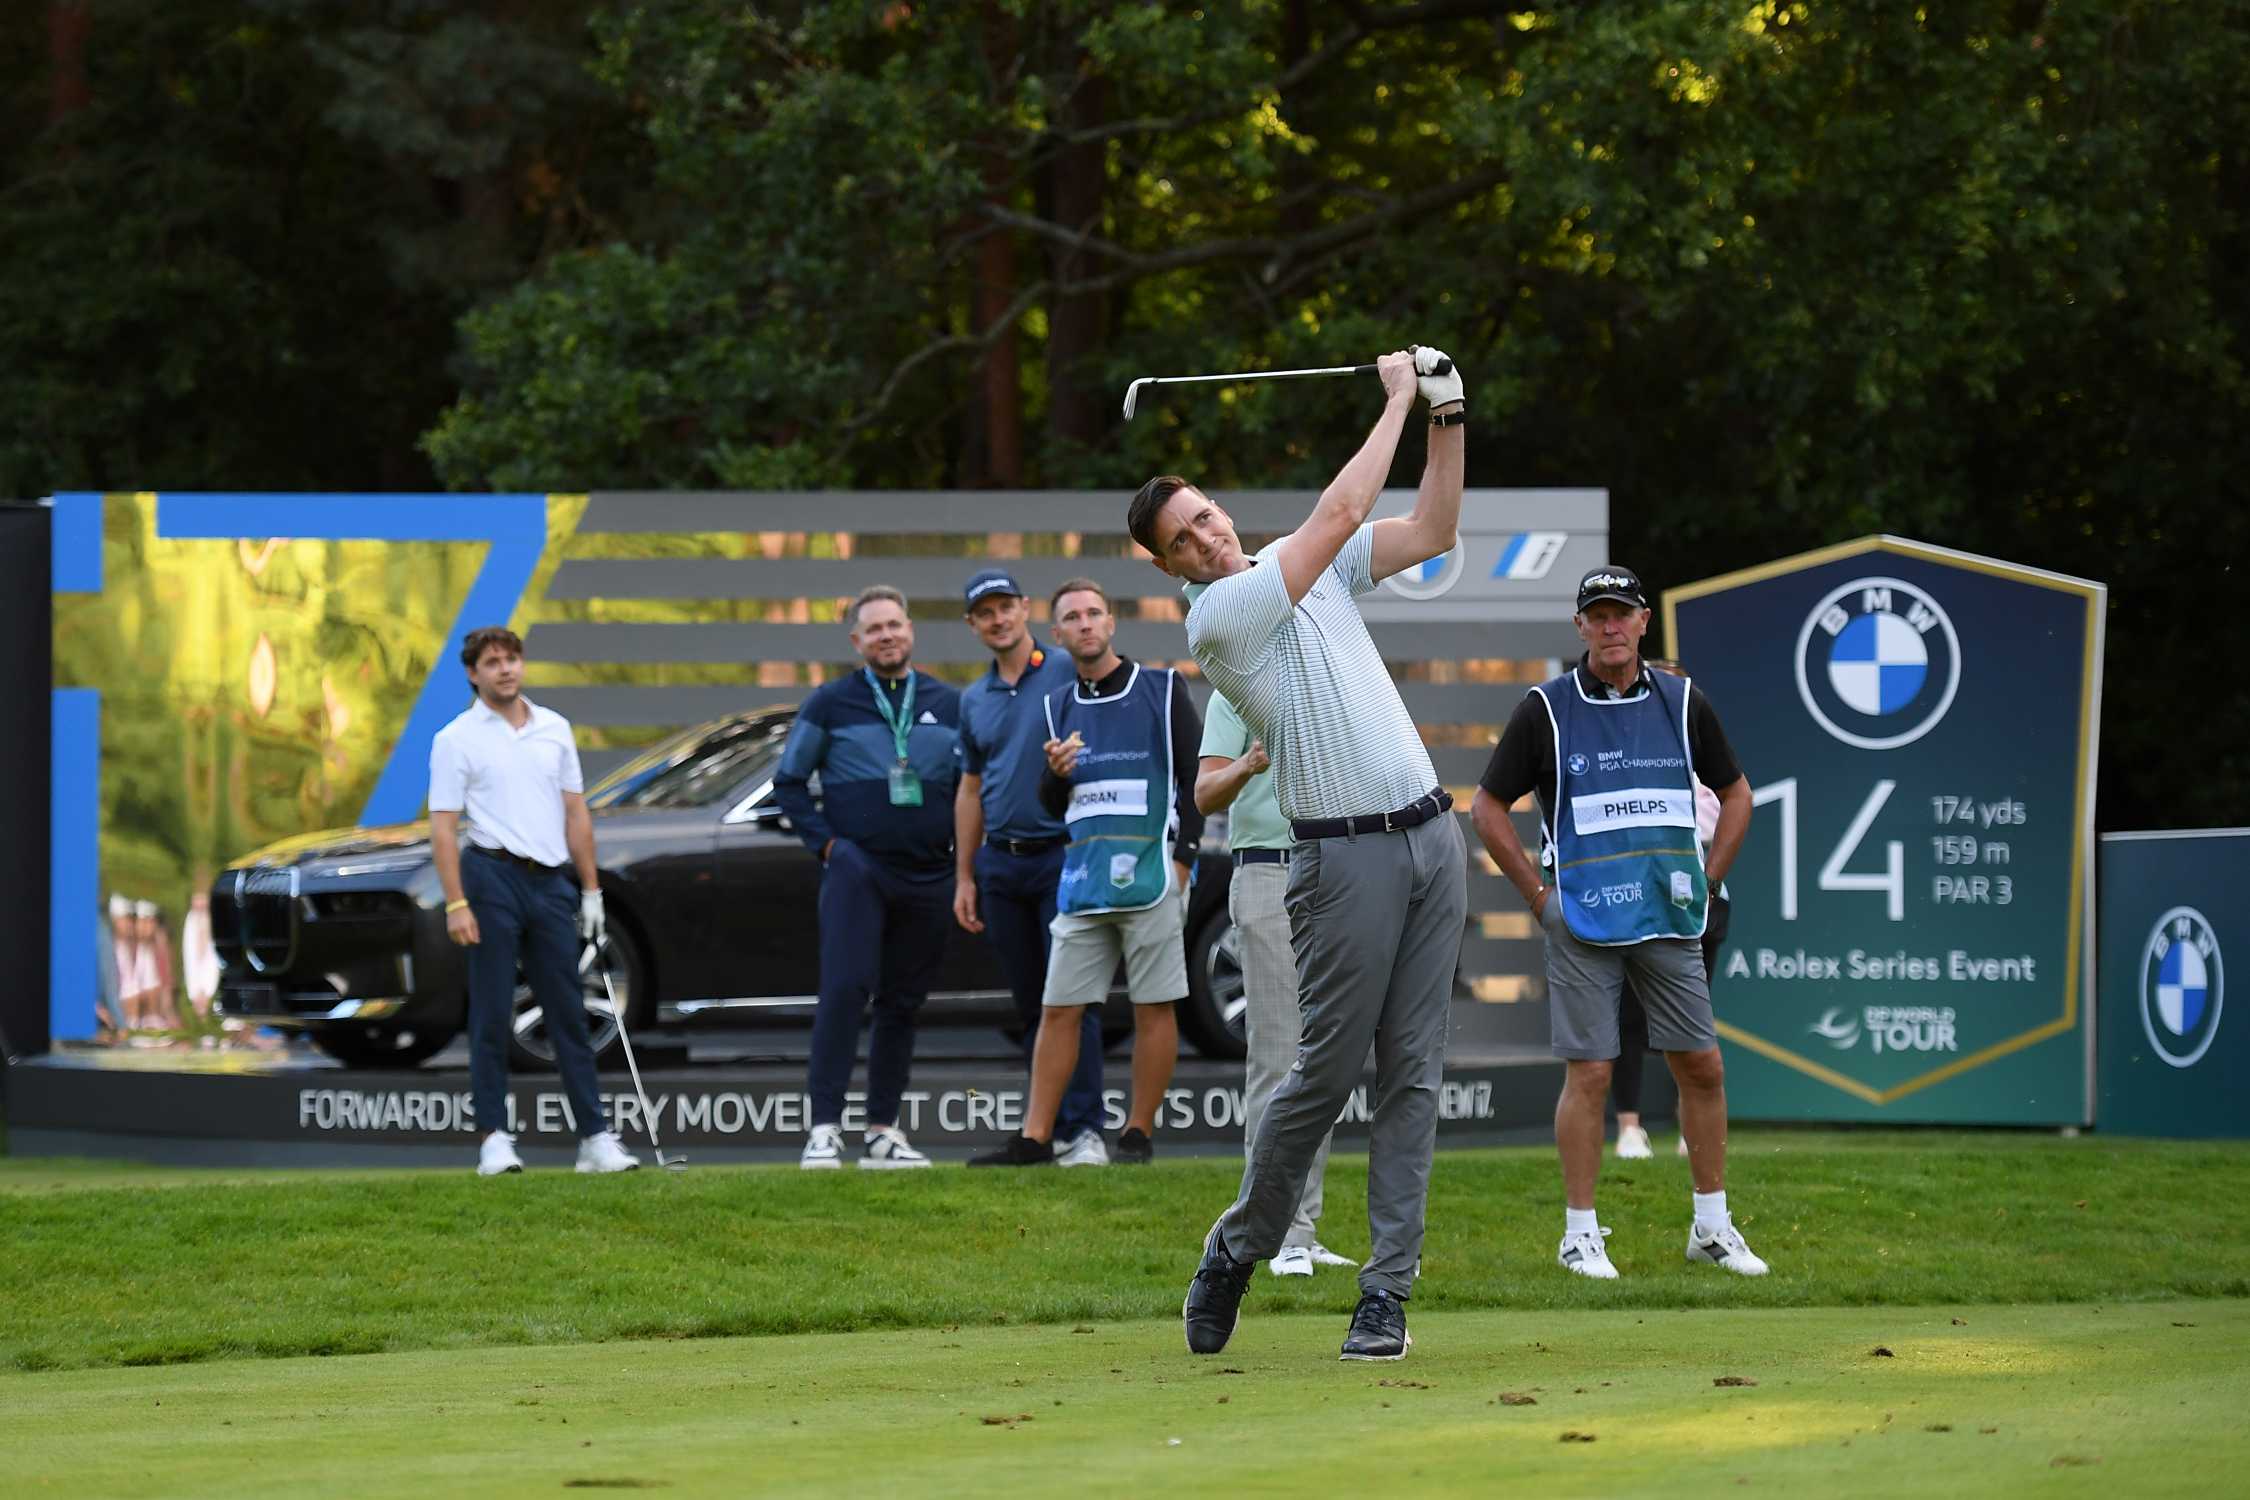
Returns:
(1377, 879)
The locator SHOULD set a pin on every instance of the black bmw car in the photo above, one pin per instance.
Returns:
(713, 920)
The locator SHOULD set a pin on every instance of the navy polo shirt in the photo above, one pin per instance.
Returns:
(1003, 732)
(840, 734)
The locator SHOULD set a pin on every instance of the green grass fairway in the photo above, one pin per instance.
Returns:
(2142, 1399)
(221, 1265)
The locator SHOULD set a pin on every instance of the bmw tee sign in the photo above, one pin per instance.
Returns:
(2174, 908)
(1912, 910)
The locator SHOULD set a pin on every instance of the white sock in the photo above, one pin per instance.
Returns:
(1577, 1221)
(1711, 1211)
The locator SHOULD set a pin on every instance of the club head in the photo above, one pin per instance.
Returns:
(671, 1163)
(1133, 395)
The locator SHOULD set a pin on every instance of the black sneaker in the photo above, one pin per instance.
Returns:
(1378, 1328)
(1214, 1297)
(1134, 1149)
(1021, 1151)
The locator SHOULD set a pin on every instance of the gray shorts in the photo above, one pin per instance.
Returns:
(1586, 981)
(1083, 956)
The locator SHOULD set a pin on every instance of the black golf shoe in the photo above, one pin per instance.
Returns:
(1134, 1148)
(1214, 1297)
(1378, 1328)
(1020, 1151)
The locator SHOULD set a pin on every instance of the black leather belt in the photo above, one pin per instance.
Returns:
(1413, 815)
(1025, 846)
(1261, 856)
(512, 858)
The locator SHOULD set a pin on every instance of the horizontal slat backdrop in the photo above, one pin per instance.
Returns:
(1500, 957)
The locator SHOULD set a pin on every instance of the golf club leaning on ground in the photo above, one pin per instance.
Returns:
(600, 959)
(1133, 391)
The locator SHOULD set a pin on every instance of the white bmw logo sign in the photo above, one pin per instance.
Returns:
(1427, 580)
(2182, 985)
(1577, 765)
(1878, 663)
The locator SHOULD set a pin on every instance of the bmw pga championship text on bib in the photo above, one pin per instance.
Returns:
(1911, 911)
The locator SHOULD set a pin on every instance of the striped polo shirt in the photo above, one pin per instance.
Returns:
(1311, 684)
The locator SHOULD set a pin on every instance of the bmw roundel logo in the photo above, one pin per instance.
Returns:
(1577, 764)
(2182, 985)
(1427, 580)
(1878, 663)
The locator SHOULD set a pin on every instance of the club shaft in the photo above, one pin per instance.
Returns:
(1258, 375)
(648, 1116)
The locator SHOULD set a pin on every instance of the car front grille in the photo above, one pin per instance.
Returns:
(266, 916)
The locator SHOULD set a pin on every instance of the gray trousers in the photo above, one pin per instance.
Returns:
(1376, 924)
(1257, 903)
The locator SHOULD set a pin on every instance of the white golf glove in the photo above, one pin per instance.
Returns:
(593, 926)
(1436, 389)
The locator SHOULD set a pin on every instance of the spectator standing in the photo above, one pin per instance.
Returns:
(1007, 848)
(1614, 752)
(1120, 777)
(885, 744)
(511, 767)
(199, 956)
(1235, 776)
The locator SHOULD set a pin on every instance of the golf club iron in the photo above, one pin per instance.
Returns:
(1133, 391)
(648, 1115)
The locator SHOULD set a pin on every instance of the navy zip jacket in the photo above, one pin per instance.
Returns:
(840, 734)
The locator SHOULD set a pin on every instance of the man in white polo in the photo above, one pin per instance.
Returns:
(512, 766)
(1377, 879)
(1234, 775)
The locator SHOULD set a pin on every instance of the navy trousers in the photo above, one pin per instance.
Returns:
(532, 918)
(882, 935)
(1016, 897)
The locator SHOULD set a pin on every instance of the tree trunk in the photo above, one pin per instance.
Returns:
(69, 24)
(1077, 321)
(996, 276)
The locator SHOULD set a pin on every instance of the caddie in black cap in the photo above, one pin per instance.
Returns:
(1609, 581)
(990, 581)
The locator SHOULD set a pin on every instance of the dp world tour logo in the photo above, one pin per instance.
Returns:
(1427, 580)
(2182, 983)
(1878, 663)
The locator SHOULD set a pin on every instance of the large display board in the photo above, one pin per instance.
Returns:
(1912, 911)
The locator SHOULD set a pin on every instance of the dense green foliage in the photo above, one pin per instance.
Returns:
(1776, 274)
(280, 1264)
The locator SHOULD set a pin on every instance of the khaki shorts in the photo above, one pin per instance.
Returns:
(1087, 945)
(1586, 982)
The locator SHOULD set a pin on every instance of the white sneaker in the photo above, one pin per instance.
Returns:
(1587, 1255)
(886, 1150)
(824, 1149)
(1725, 1248)
(1323, 1256)
(1681, 1148)
(1088, 1150)
(498, 1155)
(1294, 1260)
(603, 1152)
(1632, 1144)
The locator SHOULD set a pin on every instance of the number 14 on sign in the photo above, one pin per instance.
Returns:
(1833, 876)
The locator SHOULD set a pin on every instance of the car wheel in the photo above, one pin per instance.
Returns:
(381, 1046)
(531, 1045)
(1216, 1011)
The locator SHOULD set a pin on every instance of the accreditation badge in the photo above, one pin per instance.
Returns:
(906, 787)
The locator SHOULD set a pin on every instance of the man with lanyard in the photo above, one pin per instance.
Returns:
(1007, 848)
(1614, 752)
(1378, 894)
(883, 741)
(1233, 777)
(1120, 777)
(512, 767)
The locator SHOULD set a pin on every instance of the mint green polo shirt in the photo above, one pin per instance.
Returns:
(1255, 820)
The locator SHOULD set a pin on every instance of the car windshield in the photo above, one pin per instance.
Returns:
(696, 768)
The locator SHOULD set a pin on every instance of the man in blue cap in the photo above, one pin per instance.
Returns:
(1007, 848)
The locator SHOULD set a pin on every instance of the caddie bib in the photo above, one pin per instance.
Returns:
(1627, 867)
(1120, 819)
